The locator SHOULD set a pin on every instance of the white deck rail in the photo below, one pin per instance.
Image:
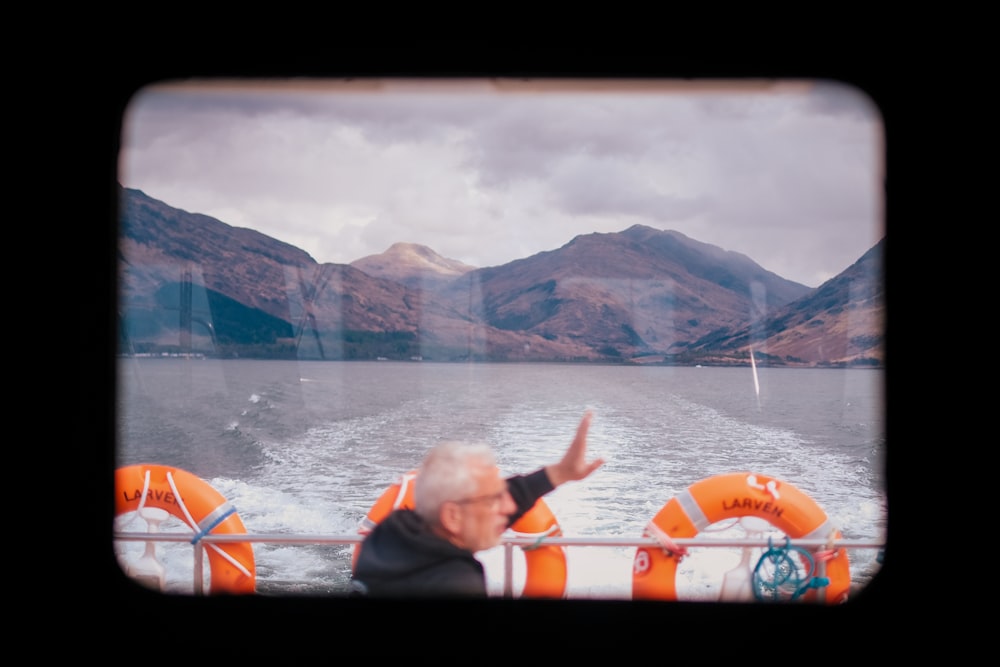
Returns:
(508, 543)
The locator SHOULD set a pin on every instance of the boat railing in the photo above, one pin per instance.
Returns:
(508, 542)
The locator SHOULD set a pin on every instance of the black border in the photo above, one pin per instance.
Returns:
(516, 629)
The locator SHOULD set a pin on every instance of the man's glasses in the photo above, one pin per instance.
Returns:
(494, 499)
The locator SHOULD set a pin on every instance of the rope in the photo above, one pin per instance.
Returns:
(194, 526)
(145, 491)
(720, 526)
(785, 581)
(554, 530)
(825, 555)
(669, 546)
(180, 502)
(404, 481)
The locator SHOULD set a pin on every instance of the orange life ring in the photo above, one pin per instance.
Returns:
(196, 503)
(729, 496)
(545, 564)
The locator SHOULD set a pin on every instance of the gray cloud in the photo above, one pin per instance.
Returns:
(790, 175)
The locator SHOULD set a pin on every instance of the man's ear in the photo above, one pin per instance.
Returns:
(451, 517)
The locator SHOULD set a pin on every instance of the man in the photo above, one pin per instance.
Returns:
(462, 506)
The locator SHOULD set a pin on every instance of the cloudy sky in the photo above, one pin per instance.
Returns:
(789, 173)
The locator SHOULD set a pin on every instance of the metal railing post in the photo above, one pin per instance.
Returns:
(199, 558)
(508, 570)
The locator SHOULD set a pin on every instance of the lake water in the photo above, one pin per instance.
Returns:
(306, 447)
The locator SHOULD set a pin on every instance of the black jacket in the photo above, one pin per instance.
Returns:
(401, 557)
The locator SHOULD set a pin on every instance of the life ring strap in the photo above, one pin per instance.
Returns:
(693, 510)
(553, 530)
(213, 519)
(207, 524)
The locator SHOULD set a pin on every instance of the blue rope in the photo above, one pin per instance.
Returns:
(208, 529)
(553, 530)
(537, 544)
(785, 581)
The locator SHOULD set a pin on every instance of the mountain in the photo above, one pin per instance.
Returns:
(641, 292)
(842, 322)
(412, 264)
(189, 282)
(192, 283)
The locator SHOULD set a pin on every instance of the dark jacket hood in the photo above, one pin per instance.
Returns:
(402, 556)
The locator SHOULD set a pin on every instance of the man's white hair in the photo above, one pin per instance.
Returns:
(448, 473)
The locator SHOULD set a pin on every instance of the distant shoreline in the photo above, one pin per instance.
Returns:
(630, 362)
